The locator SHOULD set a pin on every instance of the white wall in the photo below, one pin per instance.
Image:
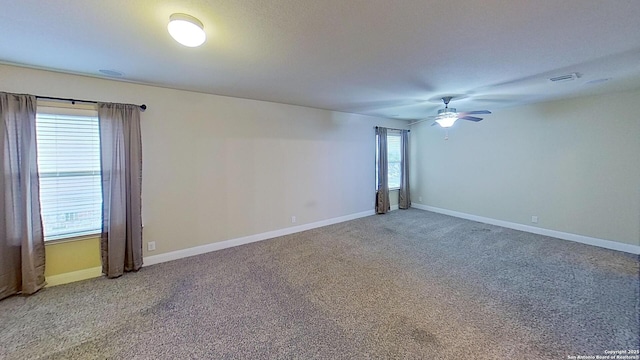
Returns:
(573, 163)
(218, 168)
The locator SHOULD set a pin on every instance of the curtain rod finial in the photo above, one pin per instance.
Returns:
(143, 107)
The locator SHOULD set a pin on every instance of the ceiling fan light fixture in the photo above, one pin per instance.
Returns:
(186, 30)
(447, 120)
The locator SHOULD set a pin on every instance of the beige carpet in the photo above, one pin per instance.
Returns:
(410, 284)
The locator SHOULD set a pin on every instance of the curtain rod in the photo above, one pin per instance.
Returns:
(392, 128)
(142, 107)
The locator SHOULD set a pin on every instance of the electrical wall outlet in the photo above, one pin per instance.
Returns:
(534, 219)
(293, 219)
(420, 198)
(151, 245)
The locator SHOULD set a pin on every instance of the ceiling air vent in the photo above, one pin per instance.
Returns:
(563, 78)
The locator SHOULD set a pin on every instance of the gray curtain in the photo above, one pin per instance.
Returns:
(382, 193)
(404, 196)
(121, 167)
(21, 237)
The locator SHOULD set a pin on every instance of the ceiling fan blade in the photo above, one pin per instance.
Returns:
(424, 119)
(477, 112)
(470, 118)
(434, 123)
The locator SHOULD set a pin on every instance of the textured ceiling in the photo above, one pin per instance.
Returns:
(376, 57)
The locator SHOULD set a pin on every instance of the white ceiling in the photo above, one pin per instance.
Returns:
(376, 57)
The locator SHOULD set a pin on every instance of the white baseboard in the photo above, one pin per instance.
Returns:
(74, 276)
(607, 244)
(179, 254)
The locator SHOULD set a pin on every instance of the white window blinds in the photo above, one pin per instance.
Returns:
(68, 143)
(394, 158)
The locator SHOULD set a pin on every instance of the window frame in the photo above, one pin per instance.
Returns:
(66, 109)
(398, 134)
(390, 133)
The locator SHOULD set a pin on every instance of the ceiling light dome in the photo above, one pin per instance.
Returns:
(447, 120)
(186, 30)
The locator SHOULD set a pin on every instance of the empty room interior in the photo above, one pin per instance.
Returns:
(320, 179)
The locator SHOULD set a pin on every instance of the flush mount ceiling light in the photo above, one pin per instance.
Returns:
(186, 30)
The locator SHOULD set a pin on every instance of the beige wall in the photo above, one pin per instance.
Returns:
(573, 163)
(393, 197)
(217, 168)
(69, 256)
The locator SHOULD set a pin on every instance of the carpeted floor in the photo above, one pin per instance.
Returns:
(410, 284)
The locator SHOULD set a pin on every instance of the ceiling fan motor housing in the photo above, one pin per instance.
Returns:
(446, 111)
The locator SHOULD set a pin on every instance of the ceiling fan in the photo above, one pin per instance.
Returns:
(448, 116)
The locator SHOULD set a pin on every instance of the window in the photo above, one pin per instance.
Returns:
(68, 145)
(394, 158)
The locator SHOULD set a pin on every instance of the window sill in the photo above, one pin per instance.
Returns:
(72, 239)
(394, 189)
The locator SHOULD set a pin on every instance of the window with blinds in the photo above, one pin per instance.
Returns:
(394, 159)
(68, 145)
